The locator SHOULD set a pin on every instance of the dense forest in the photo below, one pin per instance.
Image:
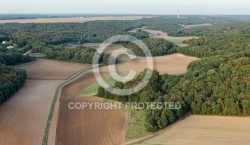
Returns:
(11, 80)
(48, 38)
(217, 84)
(157, 47)
(218, 44)
(153, 92)
(209, 30)
(79, 55)
(13, 58)
(212, 86)
(94, 31)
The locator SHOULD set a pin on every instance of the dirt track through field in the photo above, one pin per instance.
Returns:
(24, 115)
(88, 126)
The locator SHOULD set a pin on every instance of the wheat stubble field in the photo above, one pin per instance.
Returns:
(171, 64)
(205, 130)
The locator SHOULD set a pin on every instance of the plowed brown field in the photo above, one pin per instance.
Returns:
(51, 69)
(88, 126)
(24, 115)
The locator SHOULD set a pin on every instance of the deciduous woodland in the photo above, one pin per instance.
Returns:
(11, 80)
(216, 84)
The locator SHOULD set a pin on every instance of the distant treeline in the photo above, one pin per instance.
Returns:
(218, 44)
(39, 35)
(79, 55)
(157, 47)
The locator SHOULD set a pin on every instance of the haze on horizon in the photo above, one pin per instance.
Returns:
(163, 7)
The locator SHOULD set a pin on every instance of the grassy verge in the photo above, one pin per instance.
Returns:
(136, 128)
(136, 124)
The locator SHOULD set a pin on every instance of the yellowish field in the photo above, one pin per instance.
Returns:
(205, 130)
(160, 34)
(69, 20)
(170, 64)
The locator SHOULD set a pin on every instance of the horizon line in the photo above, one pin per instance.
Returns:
(136, 14)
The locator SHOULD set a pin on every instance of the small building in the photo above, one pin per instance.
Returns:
(4, 42)
(10, 47)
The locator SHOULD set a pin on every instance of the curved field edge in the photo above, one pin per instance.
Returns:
(152, 135)
(92, 90)
(55, 98)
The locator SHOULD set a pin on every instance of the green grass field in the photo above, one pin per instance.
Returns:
(136, 125)
(177, 41)
(93, 89)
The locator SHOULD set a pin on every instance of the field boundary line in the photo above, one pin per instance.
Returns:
(55, 98)
(145, 138)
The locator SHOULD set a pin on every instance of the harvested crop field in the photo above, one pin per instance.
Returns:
(174, 64)
(88, 126)
(70, 20)
(171, 64)
(205, 130)
(24, 115)
(51, 69)
(160, 34)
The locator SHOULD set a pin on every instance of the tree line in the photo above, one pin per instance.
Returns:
(79, 55)
(157, 47)
(156, 119)
(212, 86)
(11, 80)
(218, 44)
(96, 31)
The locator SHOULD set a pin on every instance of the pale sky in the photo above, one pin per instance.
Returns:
(127, 6)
